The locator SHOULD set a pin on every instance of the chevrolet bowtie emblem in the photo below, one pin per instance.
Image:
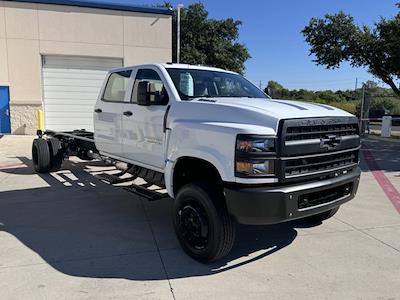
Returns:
(330, 142)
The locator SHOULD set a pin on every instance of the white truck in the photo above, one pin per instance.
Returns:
(221, 148)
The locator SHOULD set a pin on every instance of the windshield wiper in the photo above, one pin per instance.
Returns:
(199, 97)
(240, 96)
(217, 96)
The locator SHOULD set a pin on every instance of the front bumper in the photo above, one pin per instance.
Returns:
(269, 205)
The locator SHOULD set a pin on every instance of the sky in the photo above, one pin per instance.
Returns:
(271, 30)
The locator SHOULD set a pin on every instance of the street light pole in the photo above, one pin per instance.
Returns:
(178, 33)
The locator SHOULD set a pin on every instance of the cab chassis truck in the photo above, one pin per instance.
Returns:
(222, 149)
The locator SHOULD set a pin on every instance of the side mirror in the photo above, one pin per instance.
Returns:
(143, 93)
(269, 92)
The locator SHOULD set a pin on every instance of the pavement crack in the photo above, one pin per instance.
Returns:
(369, 235)
(158, 249)
(394, 248)
(380, 226)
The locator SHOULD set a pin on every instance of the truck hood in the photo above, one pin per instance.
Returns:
(246, 115)
(280, 109)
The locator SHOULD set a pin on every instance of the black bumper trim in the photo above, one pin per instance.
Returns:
(270, 205)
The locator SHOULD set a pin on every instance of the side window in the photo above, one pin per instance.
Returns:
(156, 89)
(117, 85)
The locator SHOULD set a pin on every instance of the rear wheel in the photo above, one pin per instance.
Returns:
(56, 153)
(41, 156)
(322, 216)
(203, 226)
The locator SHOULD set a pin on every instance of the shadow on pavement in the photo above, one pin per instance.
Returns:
(386, 154)
(91, 229)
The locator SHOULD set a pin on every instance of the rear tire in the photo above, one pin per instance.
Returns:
(41, 156)
(322, 216)
(202, 224)
(56, 153)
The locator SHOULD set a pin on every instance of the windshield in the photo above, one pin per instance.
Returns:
(192, 83)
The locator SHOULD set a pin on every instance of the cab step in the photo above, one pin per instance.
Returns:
(145, 192)
(114, 178)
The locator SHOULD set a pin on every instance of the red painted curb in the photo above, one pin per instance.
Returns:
(391, 192)
(12, 166)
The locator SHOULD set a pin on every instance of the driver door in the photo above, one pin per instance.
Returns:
(143, 136)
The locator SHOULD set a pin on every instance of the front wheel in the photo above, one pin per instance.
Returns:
(202, 224)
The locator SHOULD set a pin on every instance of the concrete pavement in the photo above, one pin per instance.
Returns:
(67, 235)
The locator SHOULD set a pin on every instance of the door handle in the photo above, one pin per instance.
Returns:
(127, 113)
(98, 110)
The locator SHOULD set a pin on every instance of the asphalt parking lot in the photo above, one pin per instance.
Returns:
(68, 235)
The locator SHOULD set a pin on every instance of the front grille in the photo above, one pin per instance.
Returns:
(297, 133)
(324, 196)
(303, 166)
(317, 147)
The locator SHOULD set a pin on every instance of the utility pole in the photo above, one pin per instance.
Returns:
(356, 84)
(361, 121)
(178, 32)
(260, 84)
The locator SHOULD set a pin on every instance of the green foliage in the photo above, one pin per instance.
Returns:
(280, 92)
(381, 99)
(209, 42)
(349, 106)
(275, 86)
(386, 104)
(336, 38)
(276, 90)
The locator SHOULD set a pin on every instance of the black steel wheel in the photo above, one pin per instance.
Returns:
(193, 226)
(202, 224)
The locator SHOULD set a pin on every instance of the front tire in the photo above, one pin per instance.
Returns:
(202, 224)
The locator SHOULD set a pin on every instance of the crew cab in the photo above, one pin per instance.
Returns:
(219, 146)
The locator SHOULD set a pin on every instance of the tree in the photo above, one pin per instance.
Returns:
(336, 38)
(210, 42)
(276, 90)
(383, 100)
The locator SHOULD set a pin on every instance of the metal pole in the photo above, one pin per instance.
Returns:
(178, 33)
(362, 110)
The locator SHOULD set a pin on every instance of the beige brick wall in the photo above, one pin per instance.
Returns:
(24, 118)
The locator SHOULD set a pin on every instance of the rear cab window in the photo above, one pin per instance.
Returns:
(117, 86)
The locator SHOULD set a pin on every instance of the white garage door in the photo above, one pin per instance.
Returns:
(71, 86)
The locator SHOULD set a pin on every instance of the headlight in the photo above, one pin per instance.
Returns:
(254, 156)
(255, 168)
(248, 143)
